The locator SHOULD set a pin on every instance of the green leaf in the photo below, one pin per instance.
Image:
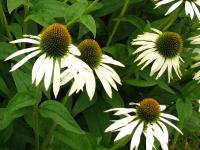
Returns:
(75, 11)
(23, 81)
(21, 100)
(89, 22)
(59, 113)
(184, 109)
(140, 83)
(6, 49)
(44, 12)
(14, 108)
(3, 87)
(115, 101)
(16, 29)
(13, 4)
(82, 103)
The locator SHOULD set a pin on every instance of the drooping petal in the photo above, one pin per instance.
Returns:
(104, 82)
(108, 60)
(169, 116)
(169, 123)
(56, 78)
(24, 60)
(135, 141)
(149, 138)
(25, 40)
(20, 52)
(48, 74)
(36, 66)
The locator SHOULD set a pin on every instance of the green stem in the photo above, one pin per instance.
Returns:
(36, 119)
(87, 10)
(170, 20)
(52, 126)
(117, 22)
(4, 22)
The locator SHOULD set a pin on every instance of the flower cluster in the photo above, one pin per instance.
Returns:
(59, 61)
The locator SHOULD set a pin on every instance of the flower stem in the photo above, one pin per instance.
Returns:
(36, 119)
(52, 126)
(87, 10)
(117, 22)
(170, 20)
(4, 22)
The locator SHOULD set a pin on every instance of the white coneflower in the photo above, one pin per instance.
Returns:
(161, 48)
(190, 6)
(146, 118)
(196, 41)
(53, 45)
(91, 54)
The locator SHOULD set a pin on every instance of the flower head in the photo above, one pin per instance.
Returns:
(92, 55)
(54, 45)
(190, 6)
(161, 48)
(146, 117)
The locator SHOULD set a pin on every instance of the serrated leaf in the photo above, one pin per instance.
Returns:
(184, 109)
(59, 113)
(89, 22)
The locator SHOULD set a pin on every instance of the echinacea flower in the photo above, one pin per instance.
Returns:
(196, 41)
(147, 118)
(190, 6)
(161, 48)
(92, 55)
(54, 45)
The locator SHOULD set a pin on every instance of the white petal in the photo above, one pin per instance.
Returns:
(162, 70)
(112, 73)
(25, 40)
(143, 54)
(74, 50)
(105, 83)
(90, 84)
(127, 130)
(142, 48)
(41, 71)
(163, 2)
(165, 132)
(189, 9)
(32, 36)
(107, 77)
(36, 66)
(173, 7)
(109, 60)
(24, 60)
(20, 52)
(66, 76)
(119, 123)
(158, 133)
(125, 111)
(56, 78)
(136, 136)
(169, 123)
(149, 138)
(48, 74)
(162, 107)
(157, 65)
(196, 10)
(169, 116)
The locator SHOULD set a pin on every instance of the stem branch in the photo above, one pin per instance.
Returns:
(117, 22)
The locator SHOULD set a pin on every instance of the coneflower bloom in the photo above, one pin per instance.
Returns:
(53, 46)
(190, 6)
(196, 41)
(92, 55)
(161, 48)
(147, 118)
